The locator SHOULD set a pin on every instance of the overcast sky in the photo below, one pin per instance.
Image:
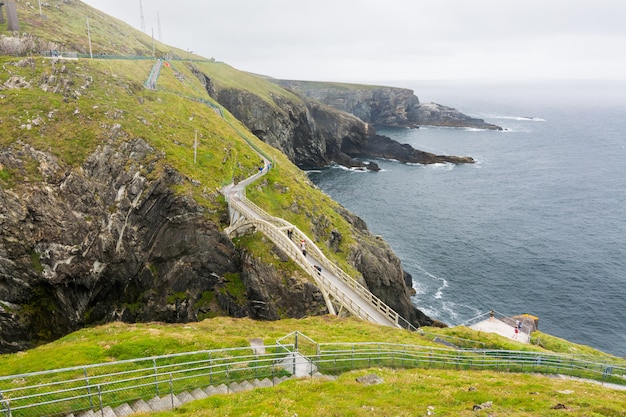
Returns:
(365, 40)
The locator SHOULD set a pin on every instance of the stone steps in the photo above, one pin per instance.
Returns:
(168, 402)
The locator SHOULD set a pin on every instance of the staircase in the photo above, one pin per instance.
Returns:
(172, 401)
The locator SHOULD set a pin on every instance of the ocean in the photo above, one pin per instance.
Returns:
(537, 225)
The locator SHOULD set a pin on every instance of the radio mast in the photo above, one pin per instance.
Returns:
(143, 21)
(159, 28)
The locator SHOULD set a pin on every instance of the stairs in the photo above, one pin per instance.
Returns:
(169, 402)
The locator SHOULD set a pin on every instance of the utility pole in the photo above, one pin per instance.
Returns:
(143, 21)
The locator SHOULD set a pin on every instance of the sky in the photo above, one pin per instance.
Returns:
(365, 40)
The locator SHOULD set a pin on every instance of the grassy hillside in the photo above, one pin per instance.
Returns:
(404, 392)
(62, 25)
(69, 108)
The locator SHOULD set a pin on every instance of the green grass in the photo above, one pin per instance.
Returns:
(415, 393)
(227, 77)
(404, 392)
(117, 341)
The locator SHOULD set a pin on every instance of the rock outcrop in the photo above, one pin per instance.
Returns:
(386, 106)
(313, 134)
(111, 241)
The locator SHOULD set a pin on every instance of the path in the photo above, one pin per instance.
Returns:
(336, 286)
(496, 325)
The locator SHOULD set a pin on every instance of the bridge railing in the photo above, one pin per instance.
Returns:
(280, 238)
(365, 294)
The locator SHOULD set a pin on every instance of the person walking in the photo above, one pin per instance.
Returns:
(303, 247)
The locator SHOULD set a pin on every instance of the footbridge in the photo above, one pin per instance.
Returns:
(341, 292)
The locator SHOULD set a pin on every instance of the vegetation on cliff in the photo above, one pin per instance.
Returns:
(111, 205)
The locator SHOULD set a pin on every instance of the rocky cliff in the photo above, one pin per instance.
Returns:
(113, 235)
(105, 242)
(314, 134)
(387, 106)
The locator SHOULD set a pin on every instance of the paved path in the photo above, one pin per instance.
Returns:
(501, 328)
(348, 293)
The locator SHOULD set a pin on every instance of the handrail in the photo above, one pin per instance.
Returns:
(279, 238)
(361, 290)
(85, 387)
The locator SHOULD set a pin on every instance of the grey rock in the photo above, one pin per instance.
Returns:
(370, 379)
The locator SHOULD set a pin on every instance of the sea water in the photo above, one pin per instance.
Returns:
(537, 225)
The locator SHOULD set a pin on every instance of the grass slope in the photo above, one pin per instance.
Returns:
(403, 393)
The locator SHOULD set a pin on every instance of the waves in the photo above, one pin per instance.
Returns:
(517, 118)
(430, 298)
(538, 228)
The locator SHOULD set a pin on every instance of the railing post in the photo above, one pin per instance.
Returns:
(352, 356)
(171, 391)
(4, 402)
(210, 369)
(88, 388)
(273, 374)
(156, 376)
(100, 400)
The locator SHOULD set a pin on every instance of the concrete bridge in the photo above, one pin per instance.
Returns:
(341, 292)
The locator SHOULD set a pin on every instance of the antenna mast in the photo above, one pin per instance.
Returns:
(143, 21)
(159, 28)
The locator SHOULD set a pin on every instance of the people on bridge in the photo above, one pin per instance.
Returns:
(318, 269)
(290, 233)
(303, 247)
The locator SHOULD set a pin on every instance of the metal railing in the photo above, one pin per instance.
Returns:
(71, 390)
(364, 293)
(93, 387)
(278, 236)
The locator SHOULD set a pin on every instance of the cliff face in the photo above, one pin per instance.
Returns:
(110, 241)
(387, 106)
(313, 134)
(308, 134)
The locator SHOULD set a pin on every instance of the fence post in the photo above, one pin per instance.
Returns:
(88, 388)
(100, 400)
(210, 369)
(352, 357)
(8, 404)
(156, 377)
(5, 403)
(171, 391)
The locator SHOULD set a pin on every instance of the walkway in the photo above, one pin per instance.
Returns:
(501, 328)
(336, 286)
